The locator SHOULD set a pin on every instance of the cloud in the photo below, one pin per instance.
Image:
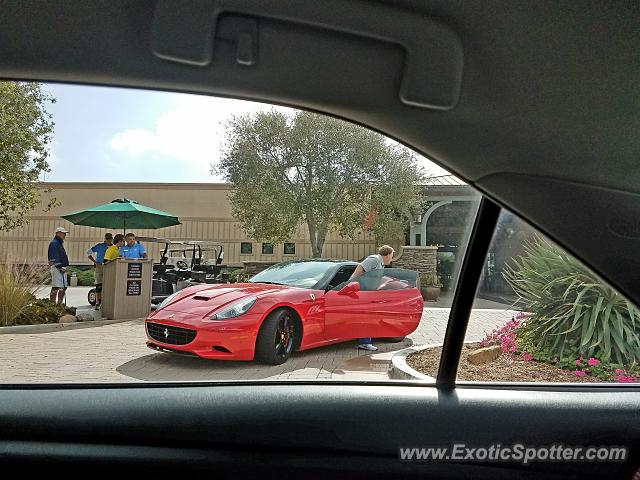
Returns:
(191, 132)
(134, 142)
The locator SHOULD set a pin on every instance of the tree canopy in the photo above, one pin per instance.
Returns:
(327, 173)
(25, 132)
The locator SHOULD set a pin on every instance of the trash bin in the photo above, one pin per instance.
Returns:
(73, 281)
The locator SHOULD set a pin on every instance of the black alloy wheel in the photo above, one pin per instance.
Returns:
(276, 338)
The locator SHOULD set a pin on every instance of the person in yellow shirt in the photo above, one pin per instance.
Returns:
(113, 251)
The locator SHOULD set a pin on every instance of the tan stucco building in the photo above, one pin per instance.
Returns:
(203, 209)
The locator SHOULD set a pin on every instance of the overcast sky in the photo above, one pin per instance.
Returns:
(125, 135)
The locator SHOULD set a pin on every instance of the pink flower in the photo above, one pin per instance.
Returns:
(620, 371)
(593, 362)
(527, 357)
(580, 373)
(579, 362)
(505, 336)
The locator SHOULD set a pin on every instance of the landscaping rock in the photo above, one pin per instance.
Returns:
(484, 355)
(67, 319)
(85, 317)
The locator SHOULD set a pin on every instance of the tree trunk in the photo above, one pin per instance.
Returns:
(317, 234)
(322, 236)
(311, 225)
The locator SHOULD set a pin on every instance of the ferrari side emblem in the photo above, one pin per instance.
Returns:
(166, 333)
(313, 296)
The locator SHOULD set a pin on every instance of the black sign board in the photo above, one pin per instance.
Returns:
(134, 287)
(134, 270)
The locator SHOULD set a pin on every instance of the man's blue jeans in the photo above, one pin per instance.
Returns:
(363, 341)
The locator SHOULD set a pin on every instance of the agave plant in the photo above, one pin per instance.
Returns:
(572, 310)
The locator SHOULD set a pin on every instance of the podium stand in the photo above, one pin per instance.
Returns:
(126, 288)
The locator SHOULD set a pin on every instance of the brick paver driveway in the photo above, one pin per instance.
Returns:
(117, 353)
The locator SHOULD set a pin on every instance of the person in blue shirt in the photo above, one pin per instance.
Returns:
(58, 263)
(99, 249)
(131, 249)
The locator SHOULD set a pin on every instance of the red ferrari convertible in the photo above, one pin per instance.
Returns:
(290, 306)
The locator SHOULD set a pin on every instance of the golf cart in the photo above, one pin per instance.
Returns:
(182, 263)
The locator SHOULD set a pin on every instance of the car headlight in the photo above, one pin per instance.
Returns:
(167, 300)
(235, 310)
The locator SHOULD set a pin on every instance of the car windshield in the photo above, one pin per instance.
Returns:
(294, 274)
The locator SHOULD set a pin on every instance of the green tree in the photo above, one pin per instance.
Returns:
(25, 132)
(324, 172)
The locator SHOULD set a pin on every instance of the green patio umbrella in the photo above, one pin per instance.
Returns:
(122, 213)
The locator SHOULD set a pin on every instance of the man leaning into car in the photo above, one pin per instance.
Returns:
(373, 262)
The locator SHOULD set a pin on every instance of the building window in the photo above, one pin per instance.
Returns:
(289, 248)
(246, 248)
(267, 248)
(418, 239)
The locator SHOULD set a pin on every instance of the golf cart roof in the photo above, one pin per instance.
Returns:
(180, 243)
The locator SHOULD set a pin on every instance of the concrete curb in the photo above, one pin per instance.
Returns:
(58, 327)
(400, 370)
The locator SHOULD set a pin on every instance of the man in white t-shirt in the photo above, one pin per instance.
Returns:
(373, 262)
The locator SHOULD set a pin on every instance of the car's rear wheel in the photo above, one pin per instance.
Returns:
(276, 338)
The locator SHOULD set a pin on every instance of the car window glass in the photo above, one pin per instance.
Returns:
(248, 214)
(541, 315)
(341, 276)
(384, 279)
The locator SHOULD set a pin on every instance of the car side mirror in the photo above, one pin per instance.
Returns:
(350, 289)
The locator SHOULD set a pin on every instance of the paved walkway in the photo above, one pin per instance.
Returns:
(117, 353)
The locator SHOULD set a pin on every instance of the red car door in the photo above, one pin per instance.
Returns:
(380, 303)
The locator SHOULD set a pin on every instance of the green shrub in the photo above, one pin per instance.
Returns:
(235, 275)
(41, 311)
(573, 313)
(445, 263)
(431, 280)
(17, 282)
(86, 275)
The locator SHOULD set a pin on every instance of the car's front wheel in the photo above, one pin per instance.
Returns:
(276, 338)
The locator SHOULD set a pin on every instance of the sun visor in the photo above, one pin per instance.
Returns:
(432, 70)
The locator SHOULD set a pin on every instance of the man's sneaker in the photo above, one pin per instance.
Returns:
(367, 346)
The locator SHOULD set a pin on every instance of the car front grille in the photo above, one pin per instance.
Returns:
(170, 335)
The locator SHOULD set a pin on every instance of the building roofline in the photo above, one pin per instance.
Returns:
(440, 181)
(140, 185)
